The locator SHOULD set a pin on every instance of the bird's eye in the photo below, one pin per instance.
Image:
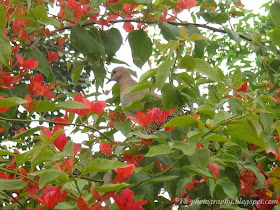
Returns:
(113, 72)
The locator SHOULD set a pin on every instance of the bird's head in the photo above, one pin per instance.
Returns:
(118, 73)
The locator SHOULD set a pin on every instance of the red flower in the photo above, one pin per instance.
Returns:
(248, 181)
(83, 205)
(27, 64)
(123, 174)
(239, 5)
(133, 159)
(215, 168)
(126, 200)
(53, 56)
(2, 130)
(6, 80)
(127, 26)
(115, 117)
(51, 196)
(112, 1)
(161, 167)
(184, 4)
(38, 87)
(95, 107)
(66, 166)
(105, 148)
(4, 109)
(146, 142)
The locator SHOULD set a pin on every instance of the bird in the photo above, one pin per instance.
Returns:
(122, 76)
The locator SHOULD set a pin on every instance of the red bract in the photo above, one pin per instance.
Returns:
(53, 56)
(95, 107)
(51, 196)
(142, 119)
(215, 168)
(127, 26)
(2, 130)
(28, 63)
(115, 117)
(66, 166)
(6, 80)
(243, 88)
(184, 4)
(4, 109)
(239, 5)
(31, 105)
(38, 87)
(126, 200)
(112, 1)
(106, 148)
(160, 116)
(161, 167)
(163, 17)
(133, 159)
(83, 205)
(248, 182)
(146, 142)
(123, 174)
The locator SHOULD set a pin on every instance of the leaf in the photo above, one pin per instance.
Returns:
(206, 109)
(182, 183)
(188, 148)
(15, 184)
(163, 72)
(139, 86)
(233, 34)
(14, 101)
(275, 35)
(65, 205)
(3, 18)
(111, 187)
(215, 17)
(158, 150)
(169, 31)
(162, 179)
(205, 68)
(200, 158)
(217, 138)
(82, 40)
(170, 97)
(228, 187)
(28, 132)
(123, 127)
(187, 62)
(221, 116)
(181, 121)
(274, 177)
(112, 41)
(44, 66)
(98, 165)
(49, 175)
(141, 47)
(45, 106)
(197, 171)
(5, 49)
(70, 105)
(76, 73)
(274, 12)
(5, 152)
(197, 37)
(257, 173)
(150, 73)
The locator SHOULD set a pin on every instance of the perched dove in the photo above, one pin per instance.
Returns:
(122, 76)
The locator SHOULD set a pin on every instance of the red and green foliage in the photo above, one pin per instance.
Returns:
(217, 67)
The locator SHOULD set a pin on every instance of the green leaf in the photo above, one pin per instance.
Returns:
(221, 116)
(65, 205)
(274, 12)
(76, 73)
(5, 152)
(205, 109)
(233, 35)
(98, 165)
(45, 106)
(217, 138)
(188, 148)
(139, 86)
(205, 68)
(170, 97)
(42, 156)
(197, 171)
(70, 105)
(275, 35)
(5, 49)
(187, 62)
(162, 179)
(163, 72)
(181, 121)
(229, 188)
(44, 66)
(141, 47)
(82, 40)
(169, 31)
(200, 158)
(215, 17)
(150, 73)
(123, 127)
(3, 18)
(197, 37)
(111, 187)
(14, 101)
(15, 184)
(28, 132)
(112, 41)
(160, 149)
(48, 176)
(182, 183)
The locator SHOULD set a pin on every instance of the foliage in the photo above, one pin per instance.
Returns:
(219, 80)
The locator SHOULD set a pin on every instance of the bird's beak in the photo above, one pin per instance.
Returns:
(108, 81)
